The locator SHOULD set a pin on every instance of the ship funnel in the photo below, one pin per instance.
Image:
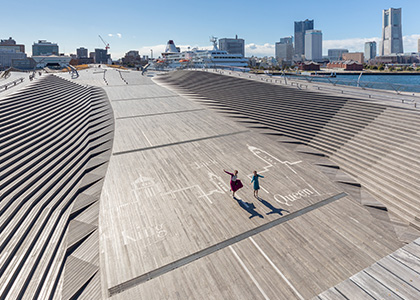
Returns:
(170, 47)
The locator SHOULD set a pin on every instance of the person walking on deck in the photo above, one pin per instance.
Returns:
(235, 183)
(256, 182)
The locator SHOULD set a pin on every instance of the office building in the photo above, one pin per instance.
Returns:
(44, 48)
(232, 46)
(10, 44)
(131, 57)
(418, 46)
(9, 51)
(82, 52)
(313, 45)
(354, 56)
(287, 40)
(300, 30)
(6, 57)
(392, 41)
(370, 50)
(336, 54)
(102, 56)
(284, 49)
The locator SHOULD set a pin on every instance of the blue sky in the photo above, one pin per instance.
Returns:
(144, 25)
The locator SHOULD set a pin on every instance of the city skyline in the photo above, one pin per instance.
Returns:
(141, 26)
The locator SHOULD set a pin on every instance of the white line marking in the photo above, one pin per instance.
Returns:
(150, 144)
(248, 272)
(277, 270)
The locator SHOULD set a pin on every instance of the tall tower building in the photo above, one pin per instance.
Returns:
(284, 49)
(370, 50)
(300, 29)
(392, 41)
(313, 45)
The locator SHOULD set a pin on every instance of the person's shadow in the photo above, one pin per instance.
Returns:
(274, 210)
(249, 207)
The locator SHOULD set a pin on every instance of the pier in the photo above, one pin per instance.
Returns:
(155, 218)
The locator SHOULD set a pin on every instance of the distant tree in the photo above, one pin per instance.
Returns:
(374, 67)
(391, 69)
(381, 67)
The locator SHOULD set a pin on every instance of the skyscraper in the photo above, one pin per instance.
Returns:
(370, 50)
(284, 49)
(300, 29)
(392, 41)
(313, 45)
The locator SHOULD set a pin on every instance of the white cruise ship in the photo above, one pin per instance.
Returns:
(173, 58)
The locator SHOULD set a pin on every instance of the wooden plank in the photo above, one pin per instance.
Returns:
(331, 294)
(400, 270)
(392, 282)
(373, 287)
(352, 291)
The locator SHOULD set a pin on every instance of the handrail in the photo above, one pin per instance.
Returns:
(15, 82)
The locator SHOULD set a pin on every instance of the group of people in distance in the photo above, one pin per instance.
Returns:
(236, 184)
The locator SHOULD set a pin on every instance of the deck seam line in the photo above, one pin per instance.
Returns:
(142, 98)
(162, 113)
(179, 143)
(119, 288)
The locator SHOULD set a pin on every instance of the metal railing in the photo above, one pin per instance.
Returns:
(13, 83)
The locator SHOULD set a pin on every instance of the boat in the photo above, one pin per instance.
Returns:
(174, 58)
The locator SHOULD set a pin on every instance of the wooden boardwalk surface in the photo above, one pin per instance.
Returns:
(396, 276)
(170, 229)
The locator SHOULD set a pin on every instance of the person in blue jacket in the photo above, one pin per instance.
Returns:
(256, 183)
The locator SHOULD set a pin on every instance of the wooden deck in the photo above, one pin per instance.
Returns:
(396, 276)
(170, 229)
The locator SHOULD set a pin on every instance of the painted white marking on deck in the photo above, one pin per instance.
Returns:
(150, 144)
(276, 269)
(248, 272)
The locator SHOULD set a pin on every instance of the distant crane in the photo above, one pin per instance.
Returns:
(105, 43)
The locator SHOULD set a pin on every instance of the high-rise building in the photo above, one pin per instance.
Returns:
(286, 40)
(44, 48)
(284, 49)
(300, 28)
(232, 46)
(82, 52)
(418, 46)
(313, 45)
(392, 41)
(370, 50)
(336, 54)
(101, 56)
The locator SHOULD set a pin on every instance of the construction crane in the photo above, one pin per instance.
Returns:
(105, 43)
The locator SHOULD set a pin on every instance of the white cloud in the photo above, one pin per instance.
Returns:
(110, 34)
(119, 35)
(410, 42)
(259, 50)
(353, 45)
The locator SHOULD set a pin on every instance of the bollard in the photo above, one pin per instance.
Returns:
(342, 92)
(402, 101)
(415, 104)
